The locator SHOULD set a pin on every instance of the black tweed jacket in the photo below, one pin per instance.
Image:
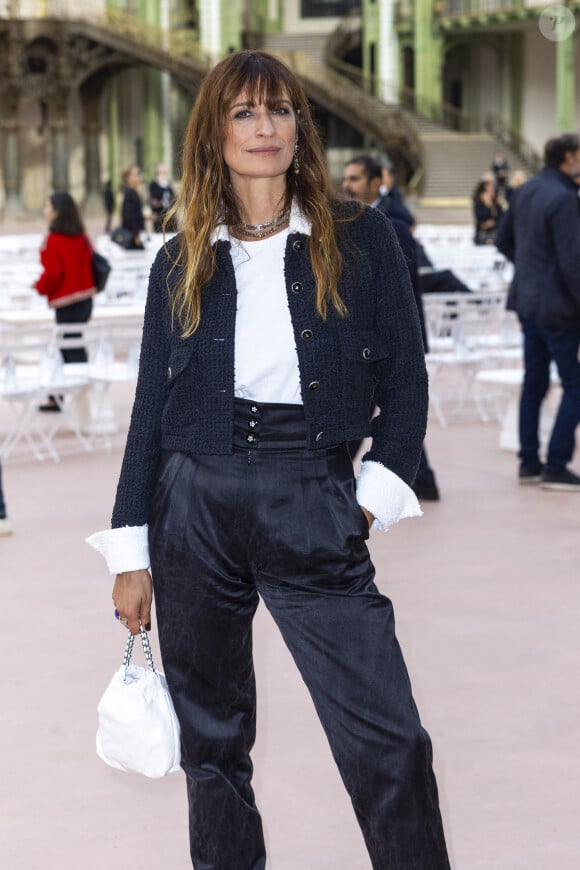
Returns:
(185, 390)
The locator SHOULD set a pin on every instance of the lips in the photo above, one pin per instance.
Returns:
(264, 150)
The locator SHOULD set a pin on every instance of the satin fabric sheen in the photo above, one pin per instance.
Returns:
(279, 522)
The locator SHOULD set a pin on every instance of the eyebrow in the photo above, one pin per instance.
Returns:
(252, 103)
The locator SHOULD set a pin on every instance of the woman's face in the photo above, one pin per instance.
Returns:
(134, 177)
(259, 139)
(488, 190)
(49, 212)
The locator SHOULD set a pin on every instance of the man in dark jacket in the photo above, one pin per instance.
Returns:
(359, 172)
(541, 234)
(391, 198)
(361, 181)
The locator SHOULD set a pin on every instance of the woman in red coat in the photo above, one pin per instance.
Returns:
(67, 280)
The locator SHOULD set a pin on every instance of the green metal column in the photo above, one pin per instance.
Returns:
(149, 11)
(370, 43)
(515, 49)
(565, 51)
(114, 167)
(231, 25)
(114, 163)
(428, 59)
(261, 18)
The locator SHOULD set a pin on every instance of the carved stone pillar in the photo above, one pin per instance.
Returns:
(59, 153)
(91, 94)
(11, 164)
(92, 163)
(10, 138)
(58, 125)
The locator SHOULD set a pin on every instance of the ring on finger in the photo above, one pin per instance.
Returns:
(122, 620)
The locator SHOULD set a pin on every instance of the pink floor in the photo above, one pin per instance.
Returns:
(486, 590)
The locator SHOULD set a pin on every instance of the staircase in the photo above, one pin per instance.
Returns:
(454, 162)
(442, 164)
(313, 45)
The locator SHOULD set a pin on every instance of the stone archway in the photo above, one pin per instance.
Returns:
(53, 79)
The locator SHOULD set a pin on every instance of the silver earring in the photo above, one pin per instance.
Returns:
(296, 161)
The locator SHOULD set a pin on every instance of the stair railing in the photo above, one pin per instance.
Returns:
(512, 139)
(387, 124)
(440, 112)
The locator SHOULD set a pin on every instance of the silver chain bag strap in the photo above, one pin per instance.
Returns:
(138, 729)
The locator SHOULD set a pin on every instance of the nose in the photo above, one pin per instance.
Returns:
(265, 123)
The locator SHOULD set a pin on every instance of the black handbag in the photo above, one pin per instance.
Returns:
(123, 237)
(101, 269)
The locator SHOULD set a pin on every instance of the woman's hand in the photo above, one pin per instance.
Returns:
(370, 517)
(132, 596)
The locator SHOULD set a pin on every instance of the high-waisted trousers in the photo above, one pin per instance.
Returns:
(281, 522)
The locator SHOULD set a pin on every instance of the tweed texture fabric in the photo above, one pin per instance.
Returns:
(185, 391)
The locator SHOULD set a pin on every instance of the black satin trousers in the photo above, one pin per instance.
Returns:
(281, 522)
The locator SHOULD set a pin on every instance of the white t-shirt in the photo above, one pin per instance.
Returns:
(266, 361)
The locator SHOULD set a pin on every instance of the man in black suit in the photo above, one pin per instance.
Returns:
(362, 178)
(540, 234)
(391, 198)
(360, 181)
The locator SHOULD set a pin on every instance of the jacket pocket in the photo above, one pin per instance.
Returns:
(364, 347)
(179, 358)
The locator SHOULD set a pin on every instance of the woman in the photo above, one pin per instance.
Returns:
(5, 524)
(161, 198)
(487, 211)
(273, 320)
(132, 210)
(67, 278)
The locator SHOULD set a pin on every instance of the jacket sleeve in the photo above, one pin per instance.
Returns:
(505, 241)
(132, 212)
(53, 269)
(142, 450)
(400, 389)
(565, 230)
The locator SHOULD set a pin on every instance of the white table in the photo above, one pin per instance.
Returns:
(104, 314)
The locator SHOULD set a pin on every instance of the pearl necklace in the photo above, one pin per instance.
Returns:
(262, 231)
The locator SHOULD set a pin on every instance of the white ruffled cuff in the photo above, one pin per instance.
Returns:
(385, 495)
(124, 549)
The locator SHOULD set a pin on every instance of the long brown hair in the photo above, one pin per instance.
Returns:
(206, 197)
(67, 221)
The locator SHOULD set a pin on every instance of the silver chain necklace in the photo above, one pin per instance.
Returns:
(262, 231)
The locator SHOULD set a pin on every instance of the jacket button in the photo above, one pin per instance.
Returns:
(298, 245)
(297, 287)
(169, 372)
(367, 353)
(250, 438)
(313, 385)
(319, 436)
(306, 334)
